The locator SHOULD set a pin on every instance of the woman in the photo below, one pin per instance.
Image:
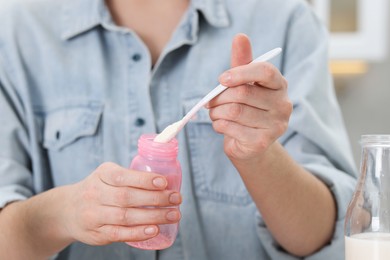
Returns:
(81, 80)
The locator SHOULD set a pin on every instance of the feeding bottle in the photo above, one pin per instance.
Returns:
(159, 158)
(367, 223)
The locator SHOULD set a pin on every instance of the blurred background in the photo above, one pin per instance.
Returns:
(359, 48)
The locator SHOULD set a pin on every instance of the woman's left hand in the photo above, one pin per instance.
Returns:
(255, 109)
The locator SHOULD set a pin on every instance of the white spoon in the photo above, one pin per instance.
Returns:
(172, 130)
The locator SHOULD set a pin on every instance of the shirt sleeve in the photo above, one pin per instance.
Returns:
(15, 173)
(316, 137)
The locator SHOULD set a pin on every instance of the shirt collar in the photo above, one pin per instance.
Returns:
(214, 11)
(80, 16)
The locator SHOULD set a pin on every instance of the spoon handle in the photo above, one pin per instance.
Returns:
(220, 88)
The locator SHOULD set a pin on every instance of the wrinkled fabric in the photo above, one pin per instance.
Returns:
(76, 90)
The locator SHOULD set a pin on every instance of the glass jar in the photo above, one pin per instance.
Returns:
(160, 158)
(367, 223)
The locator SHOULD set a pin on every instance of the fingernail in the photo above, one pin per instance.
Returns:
(173, 215)
(150, 230)
(159, 182)
(175, 198)
(226, 77)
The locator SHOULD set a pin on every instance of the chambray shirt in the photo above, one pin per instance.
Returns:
(76, 90)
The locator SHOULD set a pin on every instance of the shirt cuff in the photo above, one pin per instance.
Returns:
(13, 193)
(334, 250)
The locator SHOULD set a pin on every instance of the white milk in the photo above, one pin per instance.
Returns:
(368, 246)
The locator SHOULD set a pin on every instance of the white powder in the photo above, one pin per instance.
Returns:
(169, 132)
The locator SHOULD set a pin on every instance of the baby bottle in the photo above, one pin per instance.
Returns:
(160, 158)
(367, 223)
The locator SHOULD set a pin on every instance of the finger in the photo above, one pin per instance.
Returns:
(263, 73)
(241, 50)
(241, 114)
(132, 197)
(250, 95)
(138, 216)
(243, 134)
(252, 139)
(115, 233)
(115, 175)
(246, 127)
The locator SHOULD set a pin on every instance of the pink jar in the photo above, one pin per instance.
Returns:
(159, 158)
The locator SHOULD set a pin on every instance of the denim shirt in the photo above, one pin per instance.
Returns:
(76, 90)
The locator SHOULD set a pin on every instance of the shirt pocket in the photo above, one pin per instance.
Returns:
(70, 137)
(215, 177)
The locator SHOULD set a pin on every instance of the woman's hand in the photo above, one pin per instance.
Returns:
(109, 206)
(254, 111)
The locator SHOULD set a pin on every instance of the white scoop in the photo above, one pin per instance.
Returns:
(171, 131)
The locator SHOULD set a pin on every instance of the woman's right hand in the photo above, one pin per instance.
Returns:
(110, 206)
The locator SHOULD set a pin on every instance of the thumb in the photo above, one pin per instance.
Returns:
(241, 50)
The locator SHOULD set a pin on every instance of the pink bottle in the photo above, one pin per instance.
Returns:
(159, 158)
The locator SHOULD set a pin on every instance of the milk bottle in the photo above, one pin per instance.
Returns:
(367, 223)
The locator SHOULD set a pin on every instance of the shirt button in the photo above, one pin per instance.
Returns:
(140, 122)
(136, 57)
